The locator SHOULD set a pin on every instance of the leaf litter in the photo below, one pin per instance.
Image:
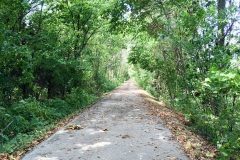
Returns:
(18, 154)
(194, 145)
(74, 127)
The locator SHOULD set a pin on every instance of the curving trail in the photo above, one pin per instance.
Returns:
(119, 127)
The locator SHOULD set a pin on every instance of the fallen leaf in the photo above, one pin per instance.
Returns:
(125, 136)
(210, 155)
(154, 122)
(188, 146)
(74, 127)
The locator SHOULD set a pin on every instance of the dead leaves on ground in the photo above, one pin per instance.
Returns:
(4, 156)
(105, 130)
(74, 127)
(195, 146)
(17, 154)
(125, 136)
(154, 122)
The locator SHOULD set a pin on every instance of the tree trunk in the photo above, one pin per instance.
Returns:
(26, 91)
(221, 6)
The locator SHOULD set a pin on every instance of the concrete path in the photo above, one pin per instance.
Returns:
(119, 127)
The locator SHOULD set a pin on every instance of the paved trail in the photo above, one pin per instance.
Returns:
(119, 127)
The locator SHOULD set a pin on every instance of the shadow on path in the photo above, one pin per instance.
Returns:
(119, 127)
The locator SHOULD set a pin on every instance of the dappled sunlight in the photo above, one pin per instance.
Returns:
(135, 91)
(62, 131)
(152, 99)
(118, 127)
(142, 155)
(92, 146)
(45, 158)
(93, 132)
(162, 138)
(130, 116)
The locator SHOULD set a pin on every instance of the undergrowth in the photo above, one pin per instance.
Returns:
(31, 119)
(220, 127)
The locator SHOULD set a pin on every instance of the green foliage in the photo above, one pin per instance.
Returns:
(181, 53)
(32, 118)
(57, 57)
(79, 98)
(222, 89)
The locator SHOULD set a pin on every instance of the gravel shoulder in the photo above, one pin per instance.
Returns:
(121, 126)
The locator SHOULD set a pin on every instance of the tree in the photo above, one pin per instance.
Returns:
(190, 46)
(221, 4)
(56, 57)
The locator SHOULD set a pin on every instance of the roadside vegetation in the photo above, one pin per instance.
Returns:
(187, 56)
(59, 56)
